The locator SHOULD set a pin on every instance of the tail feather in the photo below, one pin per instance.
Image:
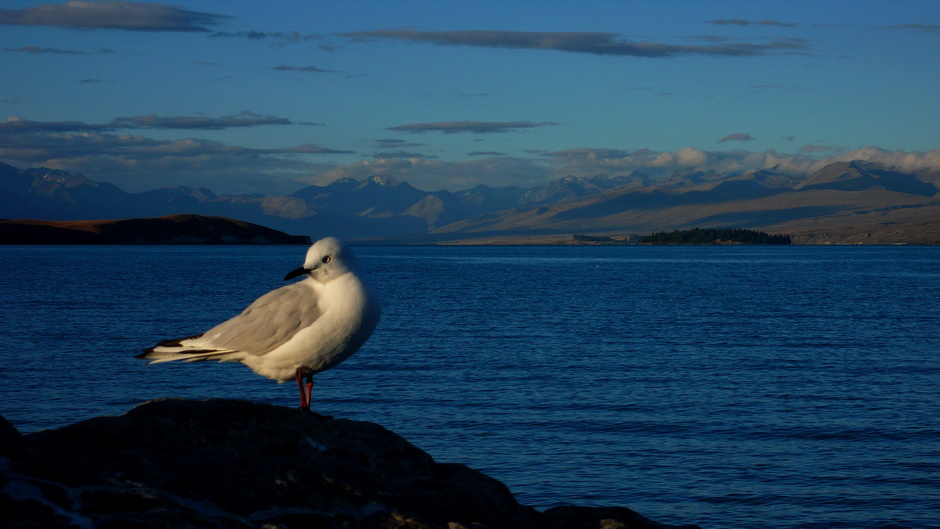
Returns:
(157, 356)
(170, 350)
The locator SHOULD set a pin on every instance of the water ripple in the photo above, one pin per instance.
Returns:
(729, 387)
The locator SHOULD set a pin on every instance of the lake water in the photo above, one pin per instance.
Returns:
(733, 387)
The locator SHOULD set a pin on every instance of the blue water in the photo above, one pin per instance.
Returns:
(734, 387)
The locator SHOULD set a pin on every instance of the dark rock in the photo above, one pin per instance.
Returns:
(573, 517)
(231, 464)
(11, 442)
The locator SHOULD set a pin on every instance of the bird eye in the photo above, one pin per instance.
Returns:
(327, 259)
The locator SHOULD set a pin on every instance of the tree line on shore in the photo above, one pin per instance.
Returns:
(715, 236)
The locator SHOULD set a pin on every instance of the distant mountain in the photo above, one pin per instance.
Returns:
(383, 197)
(47, 193)
(835, 204)
(771, 179)
(378, 196)
(55, 195)
(486, 198)
(842, 203)
(689, 179)
(575, 187)
(859, 176)
(173, 229)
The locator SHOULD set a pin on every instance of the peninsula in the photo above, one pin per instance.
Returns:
(170, 229)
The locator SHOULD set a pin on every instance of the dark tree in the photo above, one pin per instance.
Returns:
(715, 236)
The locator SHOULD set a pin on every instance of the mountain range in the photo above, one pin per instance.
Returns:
(842, 203)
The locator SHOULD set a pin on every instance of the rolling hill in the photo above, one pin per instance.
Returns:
(172, 229)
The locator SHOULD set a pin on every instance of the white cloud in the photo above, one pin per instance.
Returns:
(506, 171)
(587, 162)
(688, 157)
(136, 162)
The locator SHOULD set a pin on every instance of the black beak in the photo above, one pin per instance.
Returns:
(298, 272)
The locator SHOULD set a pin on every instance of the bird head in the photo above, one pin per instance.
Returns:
(326, 260)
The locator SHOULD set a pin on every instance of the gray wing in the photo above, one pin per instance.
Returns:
(266, 324)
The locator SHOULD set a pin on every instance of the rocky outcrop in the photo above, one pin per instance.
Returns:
(234, 464)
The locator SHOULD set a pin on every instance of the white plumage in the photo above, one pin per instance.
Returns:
(295, 331)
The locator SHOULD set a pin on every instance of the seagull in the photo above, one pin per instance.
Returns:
(295, 331)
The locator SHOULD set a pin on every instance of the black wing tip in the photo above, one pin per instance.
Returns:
(175, 342)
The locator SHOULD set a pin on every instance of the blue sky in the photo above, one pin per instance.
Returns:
(252, 97)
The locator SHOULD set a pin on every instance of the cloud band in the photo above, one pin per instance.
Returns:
(577, 42)
(128, 16)
(476, 127)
